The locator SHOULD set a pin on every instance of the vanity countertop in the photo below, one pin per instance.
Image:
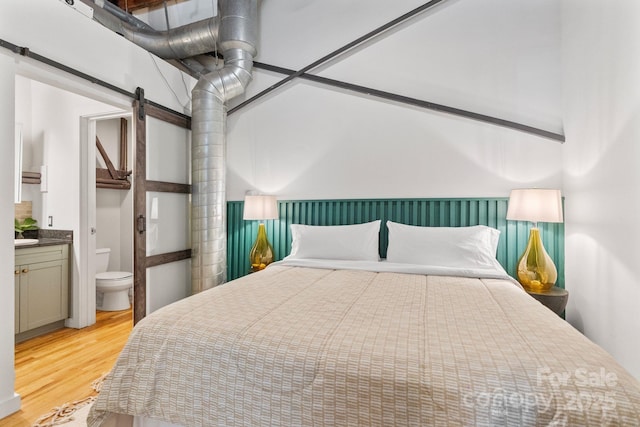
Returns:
(49, 238)
(45, 242)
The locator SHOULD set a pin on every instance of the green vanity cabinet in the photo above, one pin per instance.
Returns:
(42, 286)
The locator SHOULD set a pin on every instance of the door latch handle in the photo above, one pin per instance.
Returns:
(141, 224)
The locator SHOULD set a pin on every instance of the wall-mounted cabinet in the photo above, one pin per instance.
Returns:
(42, 288)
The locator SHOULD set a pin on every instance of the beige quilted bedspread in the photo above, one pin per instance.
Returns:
(294, 346)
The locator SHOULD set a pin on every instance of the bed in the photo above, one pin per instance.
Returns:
(334, 336)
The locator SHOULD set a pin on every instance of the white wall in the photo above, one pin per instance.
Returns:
(108, 205)
(312, 143)
(305, 140)
(53, 29)
(55, 129)
(9, 401)
(601, 41)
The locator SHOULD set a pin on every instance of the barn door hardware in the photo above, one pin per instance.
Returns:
(141, 224)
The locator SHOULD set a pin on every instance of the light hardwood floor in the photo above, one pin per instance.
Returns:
(60, 367)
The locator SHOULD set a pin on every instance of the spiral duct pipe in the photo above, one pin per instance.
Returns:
(208, 166)
(237, 41)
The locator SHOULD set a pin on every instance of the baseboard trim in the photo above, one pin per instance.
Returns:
(10, 406)
(42, 330)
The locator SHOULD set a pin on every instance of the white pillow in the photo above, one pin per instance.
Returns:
(461, 247)
(357, 242)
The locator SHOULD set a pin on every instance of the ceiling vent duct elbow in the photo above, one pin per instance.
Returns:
(177, 43)
(230, 81)
(181, 42)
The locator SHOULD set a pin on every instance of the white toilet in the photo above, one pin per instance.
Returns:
(112, 287)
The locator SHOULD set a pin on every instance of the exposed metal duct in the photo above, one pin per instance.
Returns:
(178, 43)
(235, 36)
(238, 37)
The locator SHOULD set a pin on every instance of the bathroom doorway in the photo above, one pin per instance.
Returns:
(106, 215)
(114, 205)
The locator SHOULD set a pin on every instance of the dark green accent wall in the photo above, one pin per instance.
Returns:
(424, 212)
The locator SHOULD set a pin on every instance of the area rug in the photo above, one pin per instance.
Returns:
(71, 414)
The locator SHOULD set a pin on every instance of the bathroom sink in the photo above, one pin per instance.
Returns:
(23, 242)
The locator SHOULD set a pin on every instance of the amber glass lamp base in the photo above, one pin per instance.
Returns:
(261, 253)
(536, 271)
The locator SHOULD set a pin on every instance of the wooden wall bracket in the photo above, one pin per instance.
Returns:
(31, 177)
(111, 177)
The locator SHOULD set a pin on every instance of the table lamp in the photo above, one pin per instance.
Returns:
(260, 207)
(535, 270)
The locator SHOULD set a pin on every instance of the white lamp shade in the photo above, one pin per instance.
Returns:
(535, 205)
(260, 207)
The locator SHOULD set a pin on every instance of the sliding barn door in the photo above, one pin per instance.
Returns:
(162, 208)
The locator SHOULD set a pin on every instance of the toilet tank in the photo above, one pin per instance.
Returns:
(102, 259)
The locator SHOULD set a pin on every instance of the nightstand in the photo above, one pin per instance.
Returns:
(555, 299)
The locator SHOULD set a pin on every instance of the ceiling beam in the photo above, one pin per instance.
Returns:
(413, 102)
(339, 51)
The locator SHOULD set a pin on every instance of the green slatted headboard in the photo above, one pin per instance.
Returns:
(424, 212)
